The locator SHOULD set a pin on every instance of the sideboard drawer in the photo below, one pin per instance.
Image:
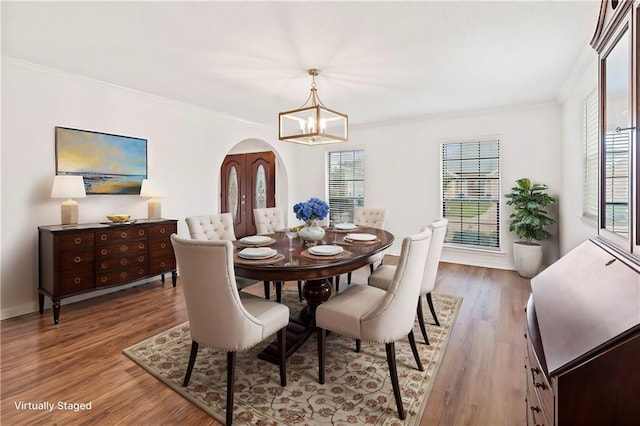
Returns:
(162, 231)
(121, 276)
(121, 262)
(126, 248)
(113, 236)
(76, 259)
(77, 279)
(74, 240)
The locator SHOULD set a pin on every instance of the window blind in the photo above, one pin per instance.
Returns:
(616, 182)
(346, 184)
(590, 156)
(470, 183)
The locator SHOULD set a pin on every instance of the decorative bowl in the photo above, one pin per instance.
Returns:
(118, 218)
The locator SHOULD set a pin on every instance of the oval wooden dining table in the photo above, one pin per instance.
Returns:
(315, 271)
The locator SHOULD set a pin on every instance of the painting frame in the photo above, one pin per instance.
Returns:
(110, 164)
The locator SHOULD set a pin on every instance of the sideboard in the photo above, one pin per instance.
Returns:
(88, 257)
(583, 340)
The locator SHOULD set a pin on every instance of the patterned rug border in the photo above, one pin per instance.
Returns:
(413, 417)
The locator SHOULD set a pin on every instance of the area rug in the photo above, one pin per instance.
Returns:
(357, 388)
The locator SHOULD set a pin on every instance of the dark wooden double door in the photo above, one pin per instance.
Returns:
(248, 181)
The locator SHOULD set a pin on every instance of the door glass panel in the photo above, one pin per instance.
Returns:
(617, 139)
(233, 193)
(260, 201)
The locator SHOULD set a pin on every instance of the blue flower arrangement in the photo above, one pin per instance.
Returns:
(312, 209)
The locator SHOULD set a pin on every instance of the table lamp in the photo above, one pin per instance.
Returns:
(68, 186)
(149, 189)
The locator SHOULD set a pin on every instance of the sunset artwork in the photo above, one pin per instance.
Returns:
(109, 164)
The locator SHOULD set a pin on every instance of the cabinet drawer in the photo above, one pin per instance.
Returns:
(120, 276)
(71, 260)
(162, 231)
(161, 265)
(112, 236)
(76, 240)
(76, 280)
(539, 384)
(160, 248)
(133, 247)
(107, 264)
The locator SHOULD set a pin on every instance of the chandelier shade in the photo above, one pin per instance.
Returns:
(313, 123)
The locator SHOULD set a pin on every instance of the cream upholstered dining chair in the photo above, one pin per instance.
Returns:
(380, 316)
(269, 220)
(373, 218)
(219, 315)
(383, 276)
(217, 227)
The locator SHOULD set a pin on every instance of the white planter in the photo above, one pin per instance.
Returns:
(312, 234)
(527, 258)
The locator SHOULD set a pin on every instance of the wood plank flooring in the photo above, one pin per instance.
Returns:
(480, 382)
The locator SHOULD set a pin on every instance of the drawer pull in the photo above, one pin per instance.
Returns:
(140, 259)
(103, 237)
(124, 248)
(163, 245)
(535, 409)
(78, 240)
(124, 262)
(103, 279)
(141, 232)
(103, 266)
(141, 246)
(77, 280)
(103, 252)
(78, 259)
(162, 230)
(123, 235)
(162, 264)
(123, 275)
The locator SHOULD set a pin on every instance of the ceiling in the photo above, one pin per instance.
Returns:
(378, 60)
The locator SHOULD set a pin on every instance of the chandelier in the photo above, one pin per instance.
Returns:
(313, 123)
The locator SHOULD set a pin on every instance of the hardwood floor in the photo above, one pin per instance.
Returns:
(480, 382)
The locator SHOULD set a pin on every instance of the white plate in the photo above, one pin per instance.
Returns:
(256, 253)
(345, 226)
(325, 250)
(255, 239)
(361, 237)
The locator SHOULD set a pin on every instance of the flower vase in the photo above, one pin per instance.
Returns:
(311, 233)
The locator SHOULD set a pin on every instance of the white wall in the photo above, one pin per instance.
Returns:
(402, 166)
(574, 228)
(186, 146)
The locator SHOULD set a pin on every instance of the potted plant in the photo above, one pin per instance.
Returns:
(528, 221)
(311, 211)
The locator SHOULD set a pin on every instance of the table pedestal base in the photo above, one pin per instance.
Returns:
(302, 324)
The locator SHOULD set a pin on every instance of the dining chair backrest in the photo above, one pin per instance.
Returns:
(211, 227)
(268, 220)
(393, 318)
(366, 216)
(438, 231)
(217, 317)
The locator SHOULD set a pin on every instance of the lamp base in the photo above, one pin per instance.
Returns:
(69, 212)
(154, 208)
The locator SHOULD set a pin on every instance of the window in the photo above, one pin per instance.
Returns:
(590, 156)
(471, 193)
(346, 184)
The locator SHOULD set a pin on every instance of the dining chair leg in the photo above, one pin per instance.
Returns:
(300, 290)
(421, 320)
(433, 311)
(267, 290)
(337, 279)
(279, 291)
(371, 268)
(414, 349)
(358, 345)
(282, 354)
(348, 278)
(192, 361)
(322, 337)
(393, 372)
(231, 372)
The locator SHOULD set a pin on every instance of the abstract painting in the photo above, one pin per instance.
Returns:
(109, 164)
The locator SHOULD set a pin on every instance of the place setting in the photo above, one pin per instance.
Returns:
(258, 255)
(345, 227)
(255, 241)
(326, 252)
(359, 239)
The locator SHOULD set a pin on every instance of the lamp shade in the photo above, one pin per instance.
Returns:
(68, 186)
(150, 189)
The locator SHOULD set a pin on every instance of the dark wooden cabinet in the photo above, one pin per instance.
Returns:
(583, 340)
(87, 257)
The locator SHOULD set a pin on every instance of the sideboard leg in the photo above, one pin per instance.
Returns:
(41, 302)
(174, 277)
(56, 311)
(162, 278)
